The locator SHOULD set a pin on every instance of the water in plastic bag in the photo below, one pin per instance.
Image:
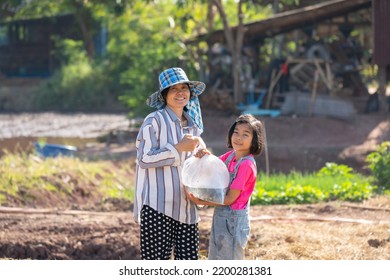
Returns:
(207, 178)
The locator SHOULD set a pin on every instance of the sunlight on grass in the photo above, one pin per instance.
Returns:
(26, 178)
(21, 176)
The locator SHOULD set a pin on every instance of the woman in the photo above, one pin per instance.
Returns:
(167, 137)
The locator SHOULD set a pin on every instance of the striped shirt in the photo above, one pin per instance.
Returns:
(158, 167)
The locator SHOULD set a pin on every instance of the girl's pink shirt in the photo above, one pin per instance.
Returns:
(245, 180)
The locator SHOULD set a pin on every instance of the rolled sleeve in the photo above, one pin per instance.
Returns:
(149, 152)
(175, 153)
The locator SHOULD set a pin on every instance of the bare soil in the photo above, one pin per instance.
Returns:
(332, 230)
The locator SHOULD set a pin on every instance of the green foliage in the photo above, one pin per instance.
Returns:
(145, 37)
(379, 164)
(77, 85)
(332, 182)
(23, 177)
(333, 169)
(288, 194)
(351, 191)
(144, 41)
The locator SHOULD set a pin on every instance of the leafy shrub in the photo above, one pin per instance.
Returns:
(332, 182)
(292, 194)
(78, 85)
(379, 164)
(332, 169)
(351, 191)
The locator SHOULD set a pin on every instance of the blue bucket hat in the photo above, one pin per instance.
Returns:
(174, 76)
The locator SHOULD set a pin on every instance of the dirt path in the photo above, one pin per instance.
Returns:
(303, 144)
(60, 125)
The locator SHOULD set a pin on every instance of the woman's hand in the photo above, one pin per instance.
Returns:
(187, 144)
(191, 197)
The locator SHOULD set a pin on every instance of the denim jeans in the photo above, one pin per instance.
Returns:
(229, 233)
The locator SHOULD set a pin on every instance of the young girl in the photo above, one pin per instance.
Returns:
(230, 227)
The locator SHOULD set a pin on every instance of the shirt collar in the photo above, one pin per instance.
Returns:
(176, 119)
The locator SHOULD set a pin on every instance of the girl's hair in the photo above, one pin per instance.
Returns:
(257, 128)
(164, 93)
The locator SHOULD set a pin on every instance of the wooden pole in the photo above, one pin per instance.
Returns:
(266, 151)
(314, 92)
(275, 76)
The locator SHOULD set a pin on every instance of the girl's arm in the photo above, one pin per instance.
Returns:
(198, 201)
(230, 197)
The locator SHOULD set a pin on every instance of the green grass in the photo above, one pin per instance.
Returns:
(26, 178)
(23, 177)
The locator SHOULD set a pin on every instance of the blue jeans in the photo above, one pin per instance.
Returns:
(229, 233)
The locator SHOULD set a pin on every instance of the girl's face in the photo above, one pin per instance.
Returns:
(178, 96)
(242, 138)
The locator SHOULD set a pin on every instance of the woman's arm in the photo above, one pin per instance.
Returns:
(150, 153)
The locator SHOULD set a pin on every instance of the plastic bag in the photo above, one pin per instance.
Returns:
(207, 177)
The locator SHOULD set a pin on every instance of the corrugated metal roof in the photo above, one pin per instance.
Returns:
(290, 20)
(381, 16)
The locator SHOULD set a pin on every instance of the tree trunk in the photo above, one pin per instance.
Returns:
(382, 85)
(210, 26)
(234, 42)
(84, 20)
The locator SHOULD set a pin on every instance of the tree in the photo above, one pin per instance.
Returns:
(234, 39)
(86, 12)
(8, 8)
(234, 43)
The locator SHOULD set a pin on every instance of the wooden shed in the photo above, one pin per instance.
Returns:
(381, 52)
(339, 70)
(381, 19)
(26, 45)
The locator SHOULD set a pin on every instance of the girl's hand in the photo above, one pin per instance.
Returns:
(202, 152)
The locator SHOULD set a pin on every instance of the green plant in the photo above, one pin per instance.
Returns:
(80, 84)
(351, 191)
(333, 169)
(332, 182)
(379, 164)
(291, 194)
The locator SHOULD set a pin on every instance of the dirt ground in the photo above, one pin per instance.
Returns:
(333, 230)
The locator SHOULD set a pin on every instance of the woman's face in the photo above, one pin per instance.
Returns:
(242, 138)
(178, 96)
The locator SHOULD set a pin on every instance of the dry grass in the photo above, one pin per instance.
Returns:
(318, 241)
(294, 236)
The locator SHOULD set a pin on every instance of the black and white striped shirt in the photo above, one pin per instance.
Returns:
(158, 166)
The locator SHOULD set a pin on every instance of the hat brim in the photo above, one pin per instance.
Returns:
(156, 100)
